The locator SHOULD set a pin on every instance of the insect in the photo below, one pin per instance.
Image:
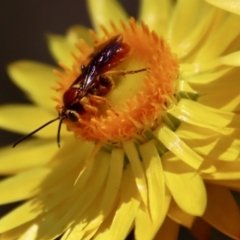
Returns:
(92, 85)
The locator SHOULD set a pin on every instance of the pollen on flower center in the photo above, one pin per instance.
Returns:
(120, 88)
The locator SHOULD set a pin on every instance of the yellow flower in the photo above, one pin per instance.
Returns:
(158, 148)
(229, 5)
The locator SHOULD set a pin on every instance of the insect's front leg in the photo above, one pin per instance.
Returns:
(87, 105)
(100, 100)
(96, 100)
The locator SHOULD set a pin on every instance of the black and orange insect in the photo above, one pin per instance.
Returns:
(93, 84)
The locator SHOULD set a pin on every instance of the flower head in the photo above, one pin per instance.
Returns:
(152, 139)
(106, 114)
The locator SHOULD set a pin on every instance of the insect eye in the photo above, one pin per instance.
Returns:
(72, 116)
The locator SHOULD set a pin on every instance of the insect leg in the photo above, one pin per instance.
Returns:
(123, 72)
(85, 102)
(100, 100)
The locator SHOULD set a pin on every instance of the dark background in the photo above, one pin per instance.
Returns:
(23, 25)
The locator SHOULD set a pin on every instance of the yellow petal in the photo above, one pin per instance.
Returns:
(122, 219)
(145, 226)
(212, 50)
(203, 116)
(23, 214)
(185, 48)
(201, 81)
(26, 118)
(179, 216)
(190, 72)
(186, 91)
(61, 47)
(228, 5)
(184, 87)
(232, 59)
(149, 13)
(187, 189)
(215, 91)
(175, 164)
(175, 145)
(113, 182)
(61, 50)
(76, 32)
(71, 152)
(185, 14)
(79, 203)
(137, 168)
(218, 147)
(107, 198)
(225, 100)
(188, 131)
(144, 229)
(225, 171)
(36, 80)
(169, 230)
(103, 231)
(33, 153)
(17, 232)
(64, 175)
(155, 181)
(222, 211)
(19, 187)
(31, 233)
(101, 13)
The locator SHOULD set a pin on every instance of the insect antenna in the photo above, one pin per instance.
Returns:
(43, 126)
(59, 129)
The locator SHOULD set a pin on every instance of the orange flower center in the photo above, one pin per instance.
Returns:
(121, 87)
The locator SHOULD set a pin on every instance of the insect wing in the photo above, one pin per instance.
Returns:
(99, 61)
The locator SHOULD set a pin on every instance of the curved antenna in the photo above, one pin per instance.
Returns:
(30, 134)
(59, 129)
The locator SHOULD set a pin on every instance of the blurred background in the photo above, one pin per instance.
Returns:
(23, 28)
